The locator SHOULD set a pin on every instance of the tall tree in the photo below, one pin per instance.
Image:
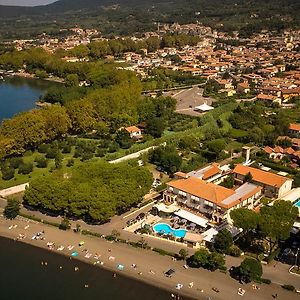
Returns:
(223, 241)
(250, 270)
(12, 208)
(244, 218)
(276, 222)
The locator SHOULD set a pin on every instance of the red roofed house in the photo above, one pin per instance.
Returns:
(135, 132)
(278, 153)
(294, 129)
(243, 88)
(268, 99)
(287, 94)
(274, 186)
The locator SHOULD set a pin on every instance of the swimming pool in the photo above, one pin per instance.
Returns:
(166, 229)
(297, 204)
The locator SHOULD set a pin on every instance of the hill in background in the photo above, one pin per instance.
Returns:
(131, 16)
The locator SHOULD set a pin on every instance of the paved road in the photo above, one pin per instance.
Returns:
(131, 156)
(13, 190)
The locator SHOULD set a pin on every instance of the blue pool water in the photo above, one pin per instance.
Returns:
(167, 229)
(297, 204)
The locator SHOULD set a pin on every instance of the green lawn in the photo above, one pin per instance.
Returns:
(37, 172)
(234, 145)
(226, 125)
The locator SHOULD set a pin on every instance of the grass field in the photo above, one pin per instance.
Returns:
(37, 172)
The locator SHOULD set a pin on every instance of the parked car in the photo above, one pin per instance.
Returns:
(129, 222)
(287, 251)
(140, 216)
(170, 273)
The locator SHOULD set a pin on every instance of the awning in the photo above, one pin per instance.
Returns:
(209, 235)
(191, 217)
(204, 107)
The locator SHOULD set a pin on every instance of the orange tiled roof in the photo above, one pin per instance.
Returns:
(261, 176)
(132, 129)
(199, 188)
(266, 97)
(268, 150)
(294, 126)
(278, 149)
(214, 170)
(289, 150)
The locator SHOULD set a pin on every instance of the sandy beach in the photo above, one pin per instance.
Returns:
(139, 264)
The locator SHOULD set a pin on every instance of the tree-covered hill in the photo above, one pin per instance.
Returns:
(130, 16)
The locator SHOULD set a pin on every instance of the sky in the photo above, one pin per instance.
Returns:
(25, 2)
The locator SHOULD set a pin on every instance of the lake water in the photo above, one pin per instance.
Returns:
(20, 94)
(23, 277)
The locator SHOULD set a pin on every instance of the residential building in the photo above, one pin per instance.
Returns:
(210, 200)
(294, 129)
(273, 185)
(135, 132)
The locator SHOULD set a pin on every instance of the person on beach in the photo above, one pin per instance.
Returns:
(114, 275)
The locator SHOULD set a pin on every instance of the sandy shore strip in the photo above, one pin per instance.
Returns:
(139, 264)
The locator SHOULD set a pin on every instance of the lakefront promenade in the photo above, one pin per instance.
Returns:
(139, 264)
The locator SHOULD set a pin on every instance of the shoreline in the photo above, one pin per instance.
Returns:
(30, 76)
(128, 273)
(101, 268)
(145, 260)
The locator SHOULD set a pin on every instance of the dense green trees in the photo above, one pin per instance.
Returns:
(244, 218)
(12, 208)
(223, 241)
(208, 260)
(262, 131)
(30, 129)
(167, 158)
(273, 223)
(250, 270)
(276, 222)
(94, 191)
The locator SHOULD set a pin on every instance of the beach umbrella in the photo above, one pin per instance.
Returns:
(193, 225)
(176, 219)
(120, 267)
(74, 254)
(81, 243)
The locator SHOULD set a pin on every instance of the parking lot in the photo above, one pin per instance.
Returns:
(188, 99)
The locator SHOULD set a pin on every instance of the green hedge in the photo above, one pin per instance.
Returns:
(164, 252)
(288, 287)
(266, 280)
(87, 232)
(277, 167)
